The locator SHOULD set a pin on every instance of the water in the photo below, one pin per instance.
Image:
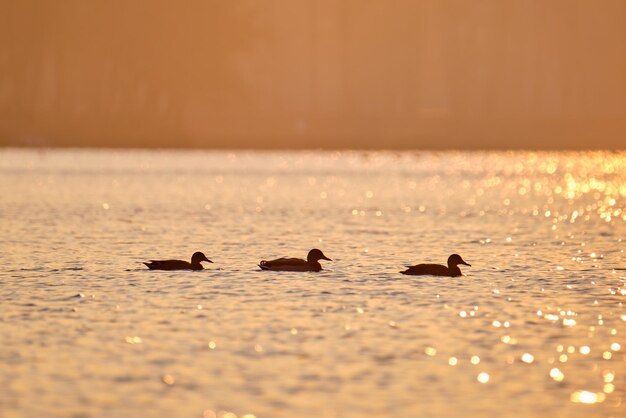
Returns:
(535, 328)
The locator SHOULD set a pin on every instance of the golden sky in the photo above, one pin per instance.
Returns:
(314, 73)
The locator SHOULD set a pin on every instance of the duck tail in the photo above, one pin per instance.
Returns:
(149, 265)
(263, 265)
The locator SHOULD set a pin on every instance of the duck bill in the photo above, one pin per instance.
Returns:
(207, 260)
(326, 258)
(467, 264)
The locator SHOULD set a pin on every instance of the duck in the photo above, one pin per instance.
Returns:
(452, 270)
(196, 259)
(296, 264)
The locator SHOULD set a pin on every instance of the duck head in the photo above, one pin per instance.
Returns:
(198, 257)
(315, 255)
(455, 259)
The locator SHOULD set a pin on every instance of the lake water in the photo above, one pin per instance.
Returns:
(536, 327)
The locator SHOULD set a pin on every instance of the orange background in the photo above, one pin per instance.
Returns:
(314, 73)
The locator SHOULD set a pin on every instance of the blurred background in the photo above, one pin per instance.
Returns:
(364, 74)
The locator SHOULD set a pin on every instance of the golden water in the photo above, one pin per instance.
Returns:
(535, 328)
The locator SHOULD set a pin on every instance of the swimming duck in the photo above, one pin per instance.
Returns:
(452, 270)
(196, 259)
(296, 264)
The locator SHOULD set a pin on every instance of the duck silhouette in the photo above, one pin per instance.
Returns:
(196, 259)
(452, 270)
(296, 264)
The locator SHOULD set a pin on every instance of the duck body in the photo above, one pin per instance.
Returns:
(296, 264)
(452, 270)
(290, 264)
(432, 270)
(195, 264)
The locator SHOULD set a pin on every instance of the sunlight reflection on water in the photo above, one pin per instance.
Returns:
(536, 327)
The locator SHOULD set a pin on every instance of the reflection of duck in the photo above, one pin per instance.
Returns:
(452, 270)
(296, 264)
(196, 259)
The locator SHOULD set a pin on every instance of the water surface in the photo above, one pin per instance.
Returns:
(535, 328)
